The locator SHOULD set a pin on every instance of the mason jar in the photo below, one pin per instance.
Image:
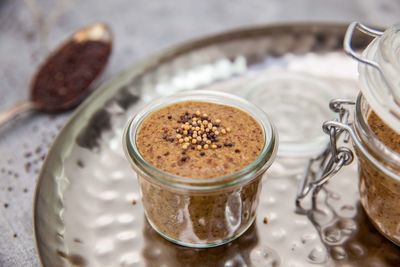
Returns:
(374, 129)
(204, 212)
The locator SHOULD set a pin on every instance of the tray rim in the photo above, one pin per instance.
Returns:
(152, 61)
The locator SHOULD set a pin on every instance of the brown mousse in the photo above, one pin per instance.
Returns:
(199, 139)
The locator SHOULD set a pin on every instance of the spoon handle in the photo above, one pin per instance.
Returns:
(17, 109)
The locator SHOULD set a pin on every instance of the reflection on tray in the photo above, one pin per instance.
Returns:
(240, 252)
(349, 239)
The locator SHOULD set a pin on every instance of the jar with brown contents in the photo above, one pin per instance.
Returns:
(200, 157)
(379, 170)
(374, 131)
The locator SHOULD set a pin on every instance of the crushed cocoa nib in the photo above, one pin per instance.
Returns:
(184, 158)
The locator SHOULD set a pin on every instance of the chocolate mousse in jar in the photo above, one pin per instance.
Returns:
(374, 130)
(200, 157)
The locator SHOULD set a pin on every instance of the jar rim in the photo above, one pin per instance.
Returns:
(261, 163)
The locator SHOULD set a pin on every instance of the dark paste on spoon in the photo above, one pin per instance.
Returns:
(64, 79)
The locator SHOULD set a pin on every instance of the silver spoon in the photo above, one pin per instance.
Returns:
(64, 79)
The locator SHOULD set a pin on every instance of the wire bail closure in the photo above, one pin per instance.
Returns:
(348, 41)
(322, 167)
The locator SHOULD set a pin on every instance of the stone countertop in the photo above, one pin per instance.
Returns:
(30, 29)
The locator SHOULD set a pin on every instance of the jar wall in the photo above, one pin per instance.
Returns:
(380, 197)
(379, 174)
(200, 219)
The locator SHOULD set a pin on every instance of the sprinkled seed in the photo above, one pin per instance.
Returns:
(210, 125)
(199, 147)
(194, 141)
(199, 138)
(207, 130)
(198, 113)
(213, 146)
(228, 130)
(185, 146)
(205, 146)
(205, 115)
(197, 128)
(205, 139)
(214, 128)
(216, 132)
(185, 132)
(186, 139)
(217, 121)
(178, 136)
(194, 135)
(183, 126)
(187, 127)
(223, 131)
(205, 122)
(180, 140)
(204, 135)
(186, 123)
(194, 123)
(208, 142)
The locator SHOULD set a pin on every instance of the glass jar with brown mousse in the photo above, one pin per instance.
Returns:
(200, 157)
(374, 130)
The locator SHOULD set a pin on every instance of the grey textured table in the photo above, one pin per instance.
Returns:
(28, 29)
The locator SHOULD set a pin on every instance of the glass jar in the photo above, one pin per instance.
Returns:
(379, 172)
(377, 105)
(201, 212)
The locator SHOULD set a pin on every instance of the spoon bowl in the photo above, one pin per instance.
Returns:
(65, 77)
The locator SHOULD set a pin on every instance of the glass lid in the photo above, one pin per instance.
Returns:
(291, 98)
(379, 71)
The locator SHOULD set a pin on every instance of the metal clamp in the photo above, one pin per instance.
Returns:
(321, 168)
(348, 41)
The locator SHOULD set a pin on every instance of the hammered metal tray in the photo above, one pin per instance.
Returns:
(87, 208)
